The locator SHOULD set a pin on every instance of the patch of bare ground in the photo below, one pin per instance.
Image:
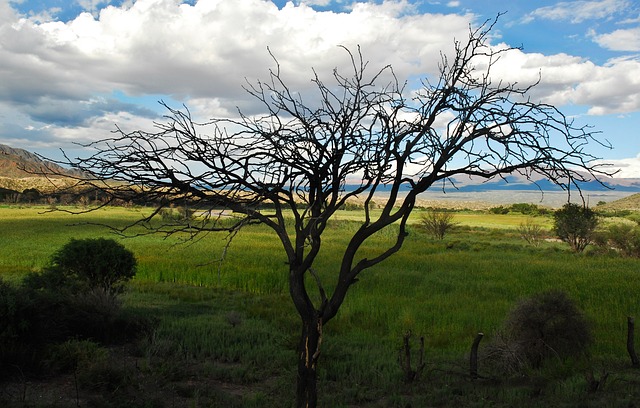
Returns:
(455, 204)
(429, 203)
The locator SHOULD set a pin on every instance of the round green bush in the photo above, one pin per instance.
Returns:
(97, 262)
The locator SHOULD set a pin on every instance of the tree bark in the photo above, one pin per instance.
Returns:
(308, 353)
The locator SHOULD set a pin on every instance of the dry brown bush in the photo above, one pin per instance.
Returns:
(545, 325)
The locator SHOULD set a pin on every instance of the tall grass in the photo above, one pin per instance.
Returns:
(447, 290)
(444, 290)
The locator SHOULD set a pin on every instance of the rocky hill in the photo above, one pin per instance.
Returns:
(19, 163)
(22, 170)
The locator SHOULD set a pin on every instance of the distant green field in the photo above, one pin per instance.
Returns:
(446, 290)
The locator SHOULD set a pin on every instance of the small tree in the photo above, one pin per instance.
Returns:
(437, 222)
(97, 263)
(575, 225)
(288, 167)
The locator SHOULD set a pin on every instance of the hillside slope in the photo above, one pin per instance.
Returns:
(19, 163)
(631, 202)
(21, 170)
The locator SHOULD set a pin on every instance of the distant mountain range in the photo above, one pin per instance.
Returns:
(19, 163)
(520, 183)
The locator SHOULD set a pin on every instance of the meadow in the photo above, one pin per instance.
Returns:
(227, 330)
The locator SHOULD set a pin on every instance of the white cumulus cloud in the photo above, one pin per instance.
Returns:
(626, 168)
(201, 54)
(579, 11)
(566, 79)
(620, 40)
(206, 50)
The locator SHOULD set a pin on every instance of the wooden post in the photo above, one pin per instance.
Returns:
(473, 359)
(630, 343)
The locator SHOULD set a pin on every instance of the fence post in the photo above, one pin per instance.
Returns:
(405, 359)
(473, 359)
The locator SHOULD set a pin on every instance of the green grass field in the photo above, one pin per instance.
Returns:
(232, 328)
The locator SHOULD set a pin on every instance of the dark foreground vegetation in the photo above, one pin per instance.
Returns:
(195, 333)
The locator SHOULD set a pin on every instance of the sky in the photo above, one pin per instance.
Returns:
(73, 70)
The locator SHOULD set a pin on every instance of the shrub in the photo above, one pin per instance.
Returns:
(499, 210)
(575, 225)
(31, 195)
(13, 328)
(522, 208)
(437, 222)
(60, 309)
(545, 325)
(177, 215)
(614, 213)
(531, 232)
(96, 263)
(94, 313)
(29, 315)
(71, 354)
(528, 209)
(28, 322)
(635, 217)
(75, 298)
(91, 365)
(622, 238)
(10, 311)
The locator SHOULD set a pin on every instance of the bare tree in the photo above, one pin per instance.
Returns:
(531, 232)
(295, 165)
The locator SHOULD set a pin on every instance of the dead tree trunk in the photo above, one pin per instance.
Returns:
(631, 349)
(308, 353)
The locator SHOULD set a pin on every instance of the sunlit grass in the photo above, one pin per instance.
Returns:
(446, 291)
(510, 221)
(464, 284)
